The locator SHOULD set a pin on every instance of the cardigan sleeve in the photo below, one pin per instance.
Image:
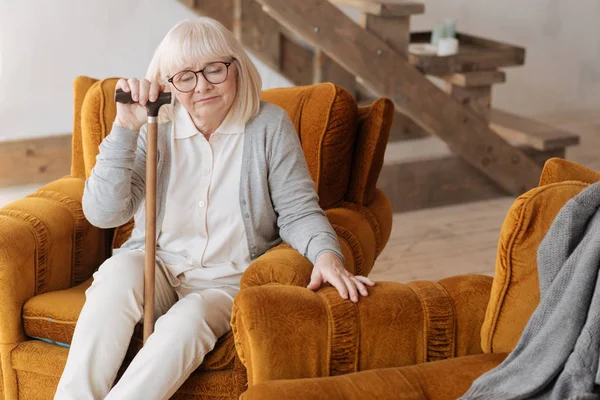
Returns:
(301, 221)
(116, 186)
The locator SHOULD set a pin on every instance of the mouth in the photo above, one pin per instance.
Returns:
(208, 99)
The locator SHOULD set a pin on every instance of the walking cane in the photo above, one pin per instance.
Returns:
(151, 160)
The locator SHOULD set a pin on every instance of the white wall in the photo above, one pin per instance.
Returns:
(45, 44)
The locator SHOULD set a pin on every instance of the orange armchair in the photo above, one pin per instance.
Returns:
(380, 347)
(48, 251)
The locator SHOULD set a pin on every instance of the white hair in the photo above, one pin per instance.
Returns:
(203, 39)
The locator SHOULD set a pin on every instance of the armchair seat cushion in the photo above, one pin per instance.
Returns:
(52, 317)
(39, 365)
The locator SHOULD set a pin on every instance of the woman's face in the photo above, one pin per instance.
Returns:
(209, 101)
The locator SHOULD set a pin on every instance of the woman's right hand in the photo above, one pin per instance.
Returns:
(134, 116)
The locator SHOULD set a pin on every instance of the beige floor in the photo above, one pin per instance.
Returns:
(437, 243)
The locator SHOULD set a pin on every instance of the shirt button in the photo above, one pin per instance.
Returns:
(244, 202)
(202, 203)
(246, 216)
(253, 255)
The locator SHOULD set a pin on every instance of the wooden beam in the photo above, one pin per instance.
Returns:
(414, 179)
(477, 98)
(327, 70)
(296, 62)
(394, 31)
(403, 128)
(250, 23)
(386, 73)
(221, 10)
(37, 160)
(476, 79)
(384, 8)
(530, 132)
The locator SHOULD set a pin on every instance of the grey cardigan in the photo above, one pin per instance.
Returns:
(557, 355)
(277, 195)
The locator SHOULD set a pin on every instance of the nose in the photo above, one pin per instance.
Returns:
(202, 85)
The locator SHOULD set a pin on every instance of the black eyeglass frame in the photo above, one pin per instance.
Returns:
(227, 64)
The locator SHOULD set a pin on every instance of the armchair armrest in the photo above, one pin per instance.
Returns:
(357, 230)
(356, 235)
(46, 244)
(363, 231)
(470, 296)
(282, 264)
(286, 332)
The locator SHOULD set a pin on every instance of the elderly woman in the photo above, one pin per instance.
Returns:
(232, 183)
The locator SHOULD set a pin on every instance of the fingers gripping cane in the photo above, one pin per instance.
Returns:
(151, 160)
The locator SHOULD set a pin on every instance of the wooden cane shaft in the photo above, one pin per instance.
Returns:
(151, 160)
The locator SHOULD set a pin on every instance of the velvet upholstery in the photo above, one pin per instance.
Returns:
(422, 340)
(48, 250)
(396, 325)
(439, 380)
(515, 291)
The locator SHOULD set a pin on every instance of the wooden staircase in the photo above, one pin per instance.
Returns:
(447, 144)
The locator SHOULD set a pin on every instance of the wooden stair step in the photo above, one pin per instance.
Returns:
(529, 132)
(517, 130)
(474, 54)
(424, 173)
(431, 148)
(384, 8)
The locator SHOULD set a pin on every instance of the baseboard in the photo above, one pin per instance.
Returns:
(34, 160)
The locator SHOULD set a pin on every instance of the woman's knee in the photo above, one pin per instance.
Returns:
(205, 314)
(120, 274)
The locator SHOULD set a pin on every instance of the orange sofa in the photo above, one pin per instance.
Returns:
(422, 340)
(48, 251)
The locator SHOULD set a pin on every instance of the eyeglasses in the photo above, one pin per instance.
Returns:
(215, 73)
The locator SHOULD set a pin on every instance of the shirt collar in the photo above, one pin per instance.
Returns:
(185, 128)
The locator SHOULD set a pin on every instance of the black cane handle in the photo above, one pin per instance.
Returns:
(151, 106)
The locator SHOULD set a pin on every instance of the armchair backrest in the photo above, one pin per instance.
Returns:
(515, 290)
(325, 117)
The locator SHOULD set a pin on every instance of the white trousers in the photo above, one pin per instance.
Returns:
(189, 322)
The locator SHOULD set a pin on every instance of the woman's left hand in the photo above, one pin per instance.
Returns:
(329, 268)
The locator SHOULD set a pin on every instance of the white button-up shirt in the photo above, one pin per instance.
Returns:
(203, 232)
